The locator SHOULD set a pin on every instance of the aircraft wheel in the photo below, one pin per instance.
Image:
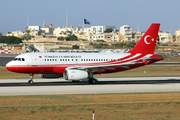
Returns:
(30, 82)
(92, 81)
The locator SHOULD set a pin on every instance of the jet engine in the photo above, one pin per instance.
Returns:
(75, 75)
(50, 75)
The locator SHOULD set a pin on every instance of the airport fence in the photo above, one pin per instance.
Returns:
(9, 51)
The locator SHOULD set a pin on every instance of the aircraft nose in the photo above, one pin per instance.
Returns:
(8, 66)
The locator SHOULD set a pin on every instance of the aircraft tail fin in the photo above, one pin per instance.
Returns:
(147, 43)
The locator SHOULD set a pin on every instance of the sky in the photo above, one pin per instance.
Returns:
(13, 13)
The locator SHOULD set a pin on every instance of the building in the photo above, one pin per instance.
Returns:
(19, 34)
(177, 36)
(100, 29)
(97, 32)
(62, 32)
(38, 28)
(136, 35)
(45, 31)
(0, 34)
(127, 31)
(165, 37)
(114, 37)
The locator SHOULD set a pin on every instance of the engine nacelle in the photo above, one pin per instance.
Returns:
(75, 74)
(50, 75)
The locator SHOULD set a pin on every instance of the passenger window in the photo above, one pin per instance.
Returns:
(19, 59)
(76, 60)
(23, 59)
(72, 59)
(44, 59)
(47, 59)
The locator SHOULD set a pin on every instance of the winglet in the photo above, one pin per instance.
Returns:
(147, 43)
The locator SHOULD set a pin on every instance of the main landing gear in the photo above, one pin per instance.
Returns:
(31, 79)
(92, 81)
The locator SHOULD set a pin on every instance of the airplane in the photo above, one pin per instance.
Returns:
(82, 66)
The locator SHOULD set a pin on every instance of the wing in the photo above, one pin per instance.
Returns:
(101, 67)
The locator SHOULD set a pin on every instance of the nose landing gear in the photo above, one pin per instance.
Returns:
(31, 79)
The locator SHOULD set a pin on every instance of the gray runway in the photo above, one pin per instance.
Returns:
(104, 85)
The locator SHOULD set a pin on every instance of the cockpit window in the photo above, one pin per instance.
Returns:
(18, 59)
(15, 59)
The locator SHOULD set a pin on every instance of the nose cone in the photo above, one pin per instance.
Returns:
(9, 66)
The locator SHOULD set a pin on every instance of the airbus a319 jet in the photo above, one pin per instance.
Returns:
(82, 66)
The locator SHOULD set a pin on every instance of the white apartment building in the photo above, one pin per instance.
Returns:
(177, 34)
(93, 32)
(97, 32)
(165, 37)
(100, 29)
(127, 31)
(38, 28)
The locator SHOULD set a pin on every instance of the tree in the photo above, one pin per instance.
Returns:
(109, 30)
(10, 39)
(72, 38)
(75, 47)
(100, 40)
(131, 45)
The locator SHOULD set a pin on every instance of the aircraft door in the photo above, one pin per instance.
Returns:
(34, 60)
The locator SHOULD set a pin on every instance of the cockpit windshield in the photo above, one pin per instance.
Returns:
(18, 59)
(15, 59)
